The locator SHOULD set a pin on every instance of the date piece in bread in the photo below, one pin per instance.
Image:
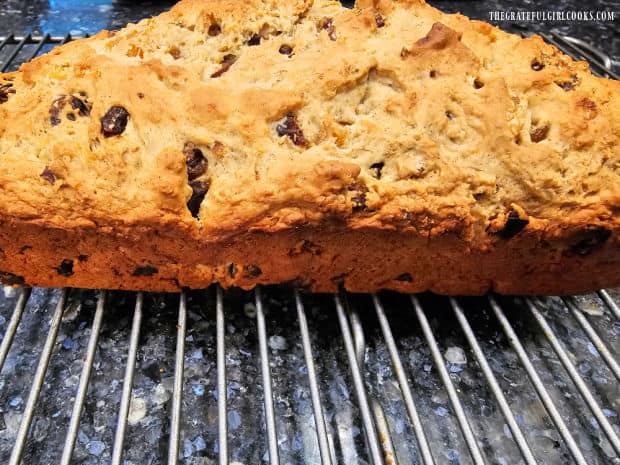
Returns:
(389, 146)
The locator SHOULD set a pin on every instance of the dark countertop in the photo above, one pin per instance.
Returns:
(89, 16)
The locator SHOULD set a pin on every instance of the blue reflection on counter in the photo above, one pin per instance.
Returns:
(79, 17)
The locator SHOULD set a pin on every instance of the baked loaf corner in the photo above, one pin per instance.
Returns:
(388, 146)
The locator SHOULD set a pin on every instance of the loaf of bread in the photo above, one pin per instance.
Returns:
(388, 146)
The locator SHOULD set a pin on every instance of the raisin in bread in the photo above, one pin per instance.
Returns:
(389, 146)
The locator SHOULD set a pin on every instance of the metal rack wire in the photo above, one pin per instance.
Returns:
(24, 48)
(379, 448)
(377, 431)
(600, 63)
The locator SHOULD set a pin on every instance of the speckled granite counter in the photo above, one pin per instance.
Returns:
(90, 16)
(149, 414)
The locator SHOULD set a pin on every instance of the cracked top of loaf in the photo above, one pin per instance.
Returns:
(227, 115)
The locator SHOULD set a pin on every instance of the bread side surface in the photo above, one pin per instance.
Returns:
(461, 148)
(318, 259)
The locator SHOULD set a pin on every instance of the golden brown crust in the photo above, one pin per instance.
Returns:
(458, 146)
(160, 258)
